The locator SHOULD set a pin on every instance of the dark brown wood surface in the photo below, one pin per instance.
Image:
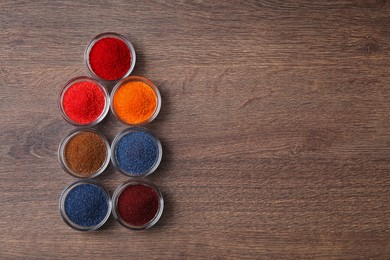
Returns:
(275, 126)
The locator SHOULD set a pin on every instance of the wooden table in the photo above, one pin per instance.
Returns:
(275, 126)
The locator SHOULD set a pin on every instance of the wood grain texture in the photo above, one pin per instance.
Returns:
(275, 126)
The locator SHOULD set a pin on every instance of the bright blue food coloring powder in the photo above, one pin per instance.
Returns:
(86, 205)
(137, 152)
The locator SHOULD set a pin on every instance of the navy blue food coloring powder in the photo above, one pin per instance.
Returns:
(86, 205)
(137, 152)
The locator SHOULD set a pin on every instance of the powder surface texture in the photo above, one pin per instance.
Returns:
(110, 58)
(86, 205)
(137, 152)
(83, 102)
(85, 153)
(135, 102)
(138, 204)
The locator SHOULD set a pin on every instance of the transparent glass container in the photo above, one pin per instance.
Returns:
(118, 192)
(62, 159)
(136, 79)
(66, 218)
(110, 35)
(114, 152)
(83, 79)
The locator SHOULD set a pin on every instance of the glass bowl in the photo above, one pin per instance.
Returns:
(63, 161)
(114, 154)
(64, 215)
(110, 35)
(69, 84)
(119, 191)
(136, 79)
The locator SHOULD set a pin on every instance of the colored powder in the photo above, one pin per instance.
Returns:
(86, 205)
(83, 102)
(135, 102)
(137, 152)
(138, 204)
(110, 58)
(85, 153)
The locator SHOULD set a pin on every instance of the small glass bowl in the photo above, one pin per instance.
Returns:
(83, 79)
(147, 82)
(114, 154)
(111, 35)
(63, 212)
(62, 159)
(118, 192)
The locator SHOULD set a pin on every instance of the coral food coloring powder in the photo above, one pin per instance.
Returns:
(83, 102)
(138, 204)
(110, 58)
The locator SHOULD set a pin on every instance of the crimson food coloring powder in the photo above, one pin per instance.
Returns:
(83, 102)
(110, 58)
(138, 204)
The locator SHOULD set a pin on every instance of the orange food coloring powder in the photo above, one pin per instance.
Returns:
(135, 102)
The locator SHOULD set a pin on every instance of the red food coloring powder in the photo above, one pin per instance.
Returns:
(83, 102)
(138, 204)
(110, 58)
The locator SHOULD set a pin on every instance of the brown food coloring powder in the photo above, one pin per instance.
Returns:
(85, 153)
